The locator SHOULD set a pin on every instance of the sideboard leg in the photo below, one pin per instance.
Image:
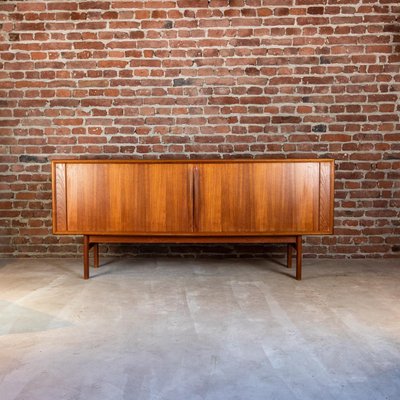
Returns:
(85, 257)
(96, 255)
(299, 256)
(289, 255)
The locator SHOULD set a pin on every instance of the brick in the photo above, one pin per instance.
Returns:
(286, 120)
(315, 10)
(192, 3)
(87, 5)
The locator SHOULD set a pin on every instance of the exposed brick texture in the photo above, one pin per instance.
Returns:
(195, 79)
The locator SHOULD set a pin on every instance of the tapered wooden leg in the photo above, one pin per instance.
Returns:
(289, 255)
(96, 255)
(299, 256)
(85, 257)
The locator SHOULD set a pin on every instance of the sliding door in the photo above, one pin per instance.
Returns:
(259, 198)
(128, 198)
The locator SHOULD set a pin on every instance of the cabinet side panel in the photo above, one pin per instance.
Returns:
(326, 197)
(59, 199)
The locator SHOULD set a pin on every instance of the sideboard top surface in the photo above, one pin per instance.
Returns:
(192, 161)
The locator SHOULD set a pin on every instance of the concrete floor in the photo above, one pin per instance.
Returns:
(185, 329)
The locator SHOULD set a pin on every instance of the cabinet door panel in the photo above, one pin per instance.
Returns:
(258, 198)
(129, 198)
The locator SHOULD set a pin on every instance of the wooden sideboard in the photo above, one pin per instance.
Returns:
(193, 201)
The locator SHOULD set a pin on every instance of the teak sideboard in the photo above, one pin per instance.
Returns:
(193, 201)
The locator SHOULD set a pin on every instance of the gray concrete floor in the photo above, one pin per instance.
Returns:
(185, 329)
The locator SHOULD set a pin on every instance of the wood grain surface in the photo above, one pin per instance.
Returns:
(276, 197)
(59, 197)
(144, 198)
(199, 198)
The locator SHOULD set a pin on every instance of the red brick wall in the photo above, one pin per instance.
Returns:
(194, 79)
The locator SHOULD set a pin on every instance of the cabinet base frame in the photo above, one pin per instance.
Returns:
(92, 241)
